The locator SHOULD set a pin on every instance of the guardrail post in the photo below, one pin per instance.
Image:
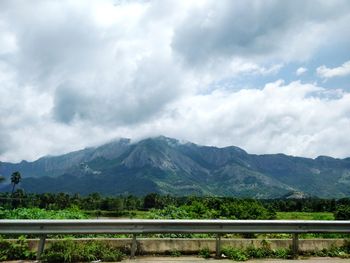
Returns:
(295, 245)
(133, 246)
(218, 246)
(41, 246)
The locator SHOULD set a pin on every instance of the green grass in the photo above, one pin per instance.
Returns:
(304, 216)
(37, 213)
(69, 251)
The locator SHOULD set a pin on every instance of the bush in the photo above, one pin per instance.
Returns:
(235, 254)
(175, 253)
(264, 251)
(251, 252)
(204, 253)
(346, 246)
(282, 253)
(70, 251)
(37, 213)
(258, 252)
(15, 250)
(342, 212)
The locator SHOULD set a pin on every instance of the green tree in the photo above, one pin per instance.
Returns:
(15, 179)
(342, 212)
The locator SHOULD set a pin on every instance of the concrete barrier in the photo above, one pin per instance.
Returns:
(147, 246)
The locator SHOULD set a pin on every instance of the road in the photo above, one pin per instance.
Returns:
(191, 259)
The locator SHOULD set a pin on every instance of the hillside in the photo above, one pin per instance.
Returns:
(167, 166)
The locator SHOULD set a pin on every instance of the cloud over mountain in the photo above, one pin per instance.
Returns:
(75, 74)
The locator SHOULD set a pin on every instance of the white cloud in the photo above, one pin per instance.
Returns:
(293, 119)
(78, 73)
(300, 71)
(289, 118)
(326, 73)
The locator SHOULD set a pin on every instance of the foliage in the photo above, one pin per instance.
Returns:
(235, 253)
(175, 253)
(37, 213)
(15, 179)
(237, 209)
(70, 251)
(304, 216)
(342, 212)
(15, 250)
(211, 206)
(282, 253)
(264, 251)
(204, 253)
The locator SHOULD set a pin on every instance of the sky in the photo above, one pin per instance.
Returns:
(267, 76)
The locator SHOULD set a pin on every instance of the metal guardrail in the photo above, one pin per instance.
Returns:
(135, 226)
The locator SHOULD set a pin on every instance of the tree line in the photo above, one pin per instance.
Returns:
(95, 201)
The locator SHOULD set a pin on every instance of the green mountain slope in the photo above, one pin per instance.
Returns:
(167, 166)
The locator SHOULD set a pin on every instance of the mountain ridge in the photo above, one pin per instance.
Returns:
(168, 166)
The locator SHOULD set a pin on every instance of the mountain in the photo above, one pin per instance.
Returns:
(168, 166)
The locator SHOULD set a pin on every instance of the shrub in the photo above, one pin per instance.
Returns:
(70, 251)
(175, 253)
(264, 251)
(258, 252)
(282, 253)
(204, 253)
(342, 212)
(235, 254)
(15, 250)
(346, 246)
(37, 213)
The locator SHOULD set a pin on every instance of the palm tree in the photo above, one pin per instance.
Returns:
(15, 179)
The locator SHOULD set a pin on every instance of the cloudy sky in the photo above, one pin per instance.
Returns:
(268, 76)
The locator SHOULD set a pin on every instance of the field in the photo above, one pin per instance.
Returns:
(304, 216)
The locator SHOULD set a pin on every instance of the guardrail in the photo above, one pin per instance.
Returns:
(134, 226)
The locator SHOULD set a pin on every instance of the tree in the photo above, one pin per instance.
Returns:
(342, 212)
(15, 179)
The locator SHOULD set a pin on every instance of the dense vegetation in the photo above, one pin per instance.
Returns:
(38, 213)
(15, 250)
(165, 206)
(265, 251)
(61, 251)
(70, 251)
(19, 205)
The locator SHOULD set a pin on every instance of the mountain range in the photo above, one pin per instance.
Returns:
(168, 166)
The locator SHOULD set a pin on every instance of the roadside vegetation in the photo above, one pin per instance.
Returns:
(265, 251)
(20, 205)
(69, 251)
(48, 205)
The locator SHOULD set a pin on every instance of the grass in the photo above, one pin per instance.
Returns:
(37, 213)
(125, 214)
(304, 216)
(70, 251)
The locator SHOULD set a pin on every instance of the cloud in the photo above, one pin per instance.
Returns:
(327, 73)
(300, 71)
(289, 118)
(289, 31)
(79, 73)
